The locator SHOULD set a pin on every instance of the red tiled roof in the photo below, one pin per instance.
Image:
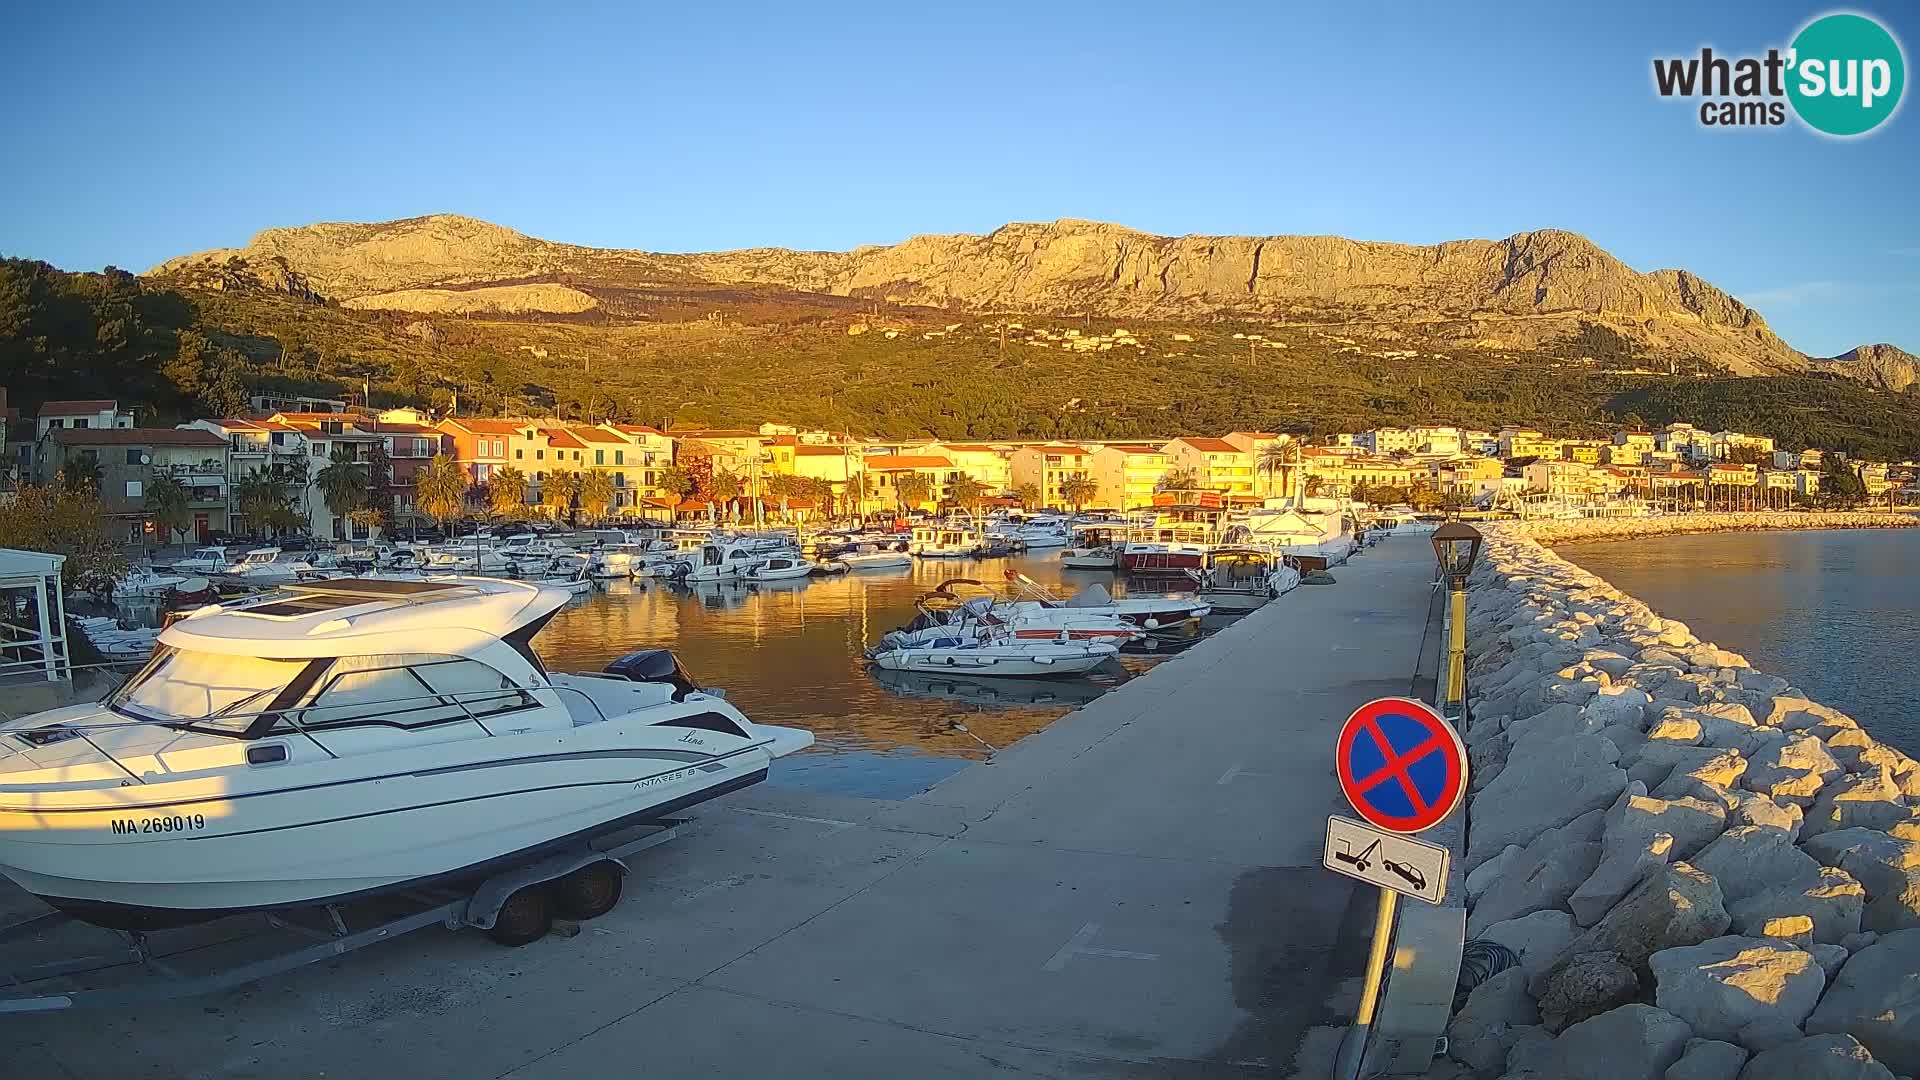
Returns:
(1211, 446)
(392, 427)
(1059, 448)
(78, 408)
(241, 425)
(638, 429)
(890, 462)
(137, 437)
(560, 437)
(784, 440)
(819, 451)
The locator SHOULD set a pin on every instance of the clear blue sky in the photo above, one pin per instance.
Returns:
(158, 129)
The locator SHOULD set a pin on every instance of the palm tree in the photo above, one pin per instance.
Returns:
(440, 489)
(857, 492)
(911, 489)
(1077, 490)
(596, 493)
(1278, 456)
(968, 493)
(167, 506)
(81, 473)
(1178, 480)
(675, 484)
(1313, 485)
(343, 482)
(264, 499)
(507, 493)
(1028, 494)
(820, 490)
(783, 486)
(558, 491)
(724, 488)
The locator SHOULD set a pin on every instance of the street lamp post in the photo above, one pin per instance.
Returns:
(1455, 546)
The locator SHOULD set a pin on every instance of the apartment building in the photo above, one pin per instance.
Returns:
(1048, 467)
(127, 460)
(1127, 474)
(1218, 465)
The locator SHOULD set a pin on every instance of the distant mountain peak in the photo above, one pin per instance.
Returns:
(1525, 289)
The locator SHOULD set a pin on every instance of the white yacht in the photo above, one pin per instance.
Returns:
(346, 738)
(269, 565)
(946, 542)
(205, 560)
(1094, 548)
(874, 557)
(1159, 613)
(781, 568)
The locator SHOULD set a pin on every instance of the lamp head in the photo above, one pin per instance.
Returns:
(1456, 545)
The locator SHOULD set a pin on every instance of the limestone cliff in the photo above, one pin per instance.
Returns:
(1549, 277)
(1882, 366)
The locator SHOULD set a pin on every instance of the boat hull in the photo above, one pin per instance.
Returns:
(1160, 563)
(198, 848)
(1017, 662)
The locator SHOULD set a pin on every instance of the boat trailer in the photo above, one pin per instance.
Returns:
(515, 906)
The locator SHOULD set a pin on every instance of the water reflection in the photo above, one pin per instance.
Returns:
(788, 652)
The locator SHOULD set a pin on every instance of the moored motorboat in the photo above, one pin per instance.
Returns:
(347, 738)
(870, 557)
(1094, 548)
(780, 568)
(1155, 612)
(1003, 657)
(1235, 578)
(965, 605)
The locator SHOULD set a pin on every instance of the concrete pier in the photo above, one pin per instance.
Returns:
(1135, 891)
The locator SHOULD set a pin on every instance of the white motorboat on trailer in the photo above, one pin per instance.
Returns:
(1156, 612)
(347, 738)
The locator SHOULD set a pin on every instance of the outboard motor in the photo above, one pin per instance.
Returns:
(656, 666)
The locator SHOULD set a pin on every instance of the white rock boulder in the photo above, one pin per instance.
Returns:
(1721, 986)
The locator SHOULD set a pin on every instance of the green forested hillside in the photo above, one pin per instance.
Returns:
(697, 354)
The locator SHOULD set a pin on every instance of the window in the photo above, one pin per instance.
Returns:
(134, 489)
(181, 684)
(539, 455)
(576, 455)
(599, 456)
(79, 423)
(318, 449)
(619, 457)
(519, 453)
(619, 480)
(133, 457)
(409, 690)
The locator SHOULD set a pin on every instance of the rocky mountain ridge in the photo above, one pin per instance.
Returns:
(1523, 291)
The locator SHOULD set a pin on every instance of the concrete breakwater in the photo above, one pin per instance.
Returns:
(1562, 531)
(1700, 871)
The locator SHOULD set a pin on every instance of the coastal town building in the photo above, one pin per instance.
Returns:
(1216, 464)
(1049, 467)
(1127, 474)
(125, 461)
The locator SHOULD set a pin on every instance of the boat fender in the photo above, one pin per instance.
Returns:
(1044, 660)
(1152, 624)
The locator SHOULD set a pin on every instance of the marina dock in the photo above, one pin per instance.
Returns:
(1134, 891)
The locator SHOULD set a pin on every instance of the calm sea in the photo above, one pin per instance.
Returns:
(1836, 613)
(789, 652)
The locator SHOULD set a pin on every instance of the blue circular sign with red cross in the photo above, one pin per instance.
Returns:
(1401, 766)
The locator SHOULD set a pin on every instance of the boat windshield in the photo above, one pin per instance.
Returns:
(213, 690)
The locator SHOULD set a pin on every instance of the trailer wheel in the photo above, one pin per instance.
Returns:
(588, 892)
(525, 917)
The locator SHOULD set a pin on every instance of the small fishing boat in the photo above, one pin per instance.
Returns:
(870, 557)
(780, 568)
(946, 542)
(986, 650)
(1094, 548)
(1234, 579)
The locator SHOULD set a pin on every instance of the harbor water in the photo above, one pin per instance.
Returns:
(789, 652)
(1837, 613)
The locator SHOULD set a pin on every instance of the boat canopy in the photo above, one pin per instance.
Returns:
(355, 616)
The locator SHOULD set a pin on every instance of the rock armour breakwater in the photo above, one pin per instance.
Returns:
(1691, 860)
(1564, 531)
